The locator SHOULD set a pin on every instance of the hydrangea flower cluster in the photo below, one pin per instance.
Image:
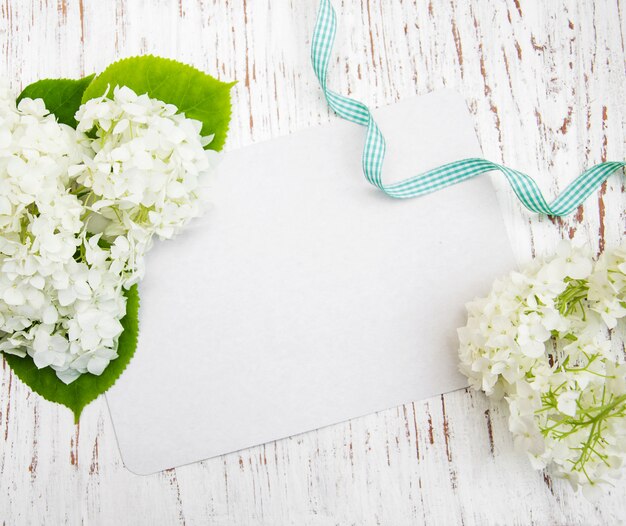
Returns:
(78, 212)
(542, 340)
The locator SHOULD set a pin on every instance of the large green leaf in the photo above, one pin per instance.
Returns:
(193, 92)
(61, 96)
(196, 94)
(88, 386)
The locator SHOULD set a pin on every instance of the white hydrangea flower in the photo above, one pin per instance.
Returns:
(77, 216)
(145, 174)
(541, 340)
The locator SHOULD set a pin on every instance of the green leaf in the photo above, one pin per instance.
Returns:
(87, 387)
(200, 97)
(61, 96)
(193, 92)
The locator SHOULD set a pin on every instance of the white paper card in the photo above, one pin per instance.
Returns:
(305, 296)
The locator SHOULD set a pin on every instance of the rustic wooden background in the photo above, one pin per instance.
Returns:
(546, 84)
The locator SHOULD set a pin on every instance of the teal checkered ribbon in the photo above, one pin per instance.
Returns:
(452, 173)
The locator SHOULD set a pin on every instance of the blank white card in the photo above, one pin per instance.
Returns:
(305, 296)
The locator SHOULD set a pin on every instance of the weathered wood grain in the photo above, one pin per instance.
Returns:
(546, 83)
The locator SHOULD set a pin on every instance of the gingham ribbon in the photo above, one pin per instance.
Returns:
(374, 151)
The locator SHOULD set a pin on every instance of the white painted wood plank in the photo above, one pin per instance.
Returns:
(546, 84)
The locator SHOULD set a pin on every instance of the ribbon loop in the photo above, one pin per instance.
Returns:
(525, 187)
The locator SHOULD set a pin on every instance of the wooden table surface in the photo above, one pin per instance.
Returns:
(546, 84)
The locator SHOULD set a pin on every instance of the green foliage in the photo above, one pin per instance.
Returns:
(193, 92)
(87, 387)
(61, 96)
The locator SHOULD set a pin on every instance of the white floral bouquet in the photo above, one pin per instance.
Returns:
(91, 171)
(543, 340)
